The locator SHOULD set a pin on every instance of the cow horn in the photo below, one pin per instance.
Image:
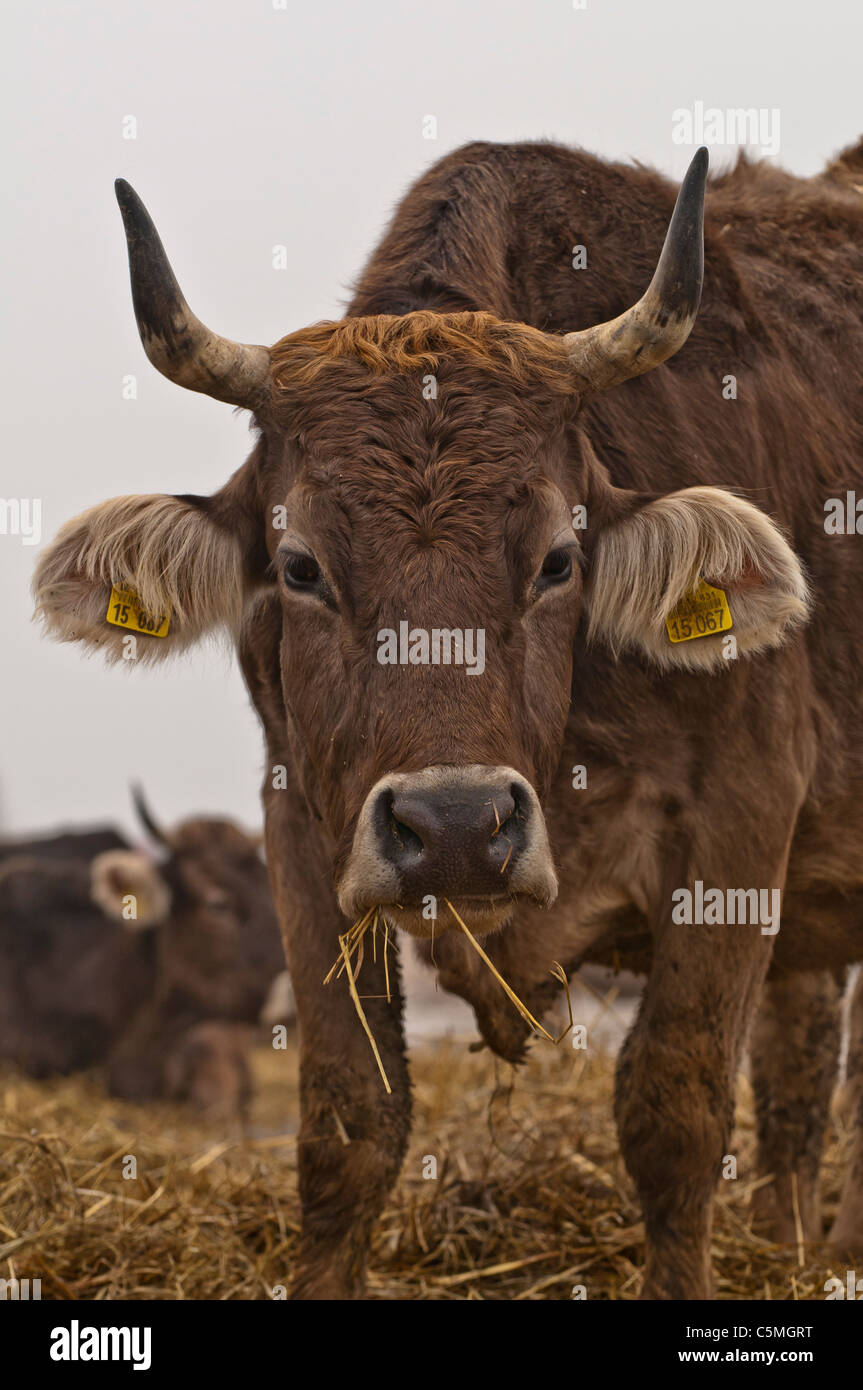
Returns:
(146, 817)
(176, 342)
(659, 324)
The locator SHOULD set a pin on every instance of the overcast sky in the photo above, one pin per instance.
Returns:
(258, 125)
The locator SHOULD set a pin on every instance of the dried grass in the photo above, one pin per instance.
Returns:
(530, 1196)
(351, 944)
(557, 970)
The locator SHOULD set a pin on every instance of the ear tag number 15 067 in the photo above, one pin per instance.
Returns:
(124, 610)
(703, 612)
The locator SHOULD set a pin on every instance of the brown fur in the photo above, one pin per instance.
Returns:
(795, 1063)
(441, 508)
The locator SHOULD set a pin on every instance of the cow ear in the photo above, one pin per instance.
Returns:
(168, 553)
(129, 888)
(645, 565)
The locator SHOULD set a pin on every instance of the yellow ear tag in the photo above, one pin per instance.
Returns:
(703, 612)
(124, 610)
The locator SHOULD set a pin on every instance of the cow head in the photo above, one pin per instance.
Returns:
(399, 555)
(130, 888)
(219, 948)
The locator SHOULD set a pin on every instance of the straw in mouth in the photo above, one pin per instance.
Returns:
(351, 946)
(351, 943)
(558, 972)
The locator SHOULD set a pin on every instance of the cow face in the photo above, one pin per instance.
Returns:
(399, 556)
(222, 947)
(428, 593)
(218, 948)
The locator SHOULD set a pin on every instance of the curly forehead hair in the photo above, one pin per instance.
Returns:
(423, 341)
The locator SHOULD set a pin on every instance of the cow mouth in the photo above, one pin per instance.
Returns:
(481, 914)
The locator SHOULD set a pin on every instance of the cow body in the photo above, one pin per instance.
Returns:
(751, 778)
(67, 844)
(426, 459)
(165, 999)
(70, 979)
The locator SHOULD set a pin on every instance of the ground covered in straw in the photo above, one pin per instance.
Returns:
(530, 1196)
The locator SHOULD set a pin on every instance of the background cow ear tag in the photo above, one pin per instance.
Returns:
(124, 610)
(702, 612)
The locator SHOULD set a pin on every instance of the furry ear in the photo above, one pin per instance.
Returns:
(166, 549)
(646, 564)
(120, 874)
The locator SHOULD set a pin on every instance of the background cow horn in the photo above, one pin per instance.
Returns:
(661, 321)
(175, 341)
(146, 817)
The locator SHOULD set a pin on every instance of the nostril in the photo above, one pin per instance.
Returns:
(407, 838)
(501, 807)
(511, 827)
(399, 838)
(510, 810)
(521, 800)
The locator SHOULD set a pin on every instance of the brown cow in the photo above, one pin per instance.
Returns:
(468, 459)
(155, 971)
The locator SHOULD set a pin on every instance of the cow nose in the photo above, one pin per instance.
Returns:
(451, 839)
(452, 832)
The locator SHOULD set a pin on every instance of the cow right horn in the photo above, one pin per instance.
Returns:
(661, 321)
(176, 342)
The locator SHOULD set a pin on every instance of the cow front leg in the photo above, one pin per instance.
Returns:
(846, 1234)
(674, 1099)
(353, 1135)
(795, 1060)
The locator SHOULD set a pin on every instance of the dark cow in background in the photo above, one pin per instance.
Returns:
(157, 971)
(70, 979)
(69, 844)
(475, 449)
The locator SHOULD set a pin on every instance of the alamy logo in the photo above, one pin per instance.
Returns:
(717, 907)
(20, 1289)
(438, 646)
(843, 516)
(76, 1343)
(21, 516)
(852, 1288)
(736, 125)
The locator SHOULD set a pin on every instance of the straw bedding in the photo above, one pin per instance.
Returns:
(530, 1196)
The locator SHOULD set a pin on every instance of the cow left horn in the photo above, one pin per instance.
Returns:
(176, 342)
(146, 817)
(659, 324)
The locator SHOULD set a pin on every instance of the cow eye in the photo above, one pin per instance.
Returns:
(301, 571)
(217, 902)
(556, 567)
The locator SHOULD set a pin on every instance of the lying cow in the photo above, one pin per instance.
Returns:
(157, 971)
(467, 555)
